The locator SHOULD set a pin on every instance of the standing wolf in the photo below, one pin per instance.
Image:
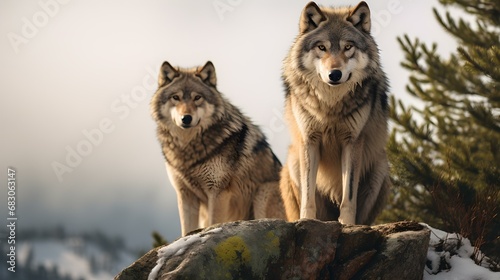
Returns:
(218, 161)
(336, 107)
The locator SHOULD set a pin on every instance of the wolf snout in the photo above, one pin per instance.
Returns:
(335, 75)
(186, 119)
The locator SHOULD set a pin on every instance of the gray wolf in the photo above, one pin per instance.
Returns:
(336, 108)
(219, 163)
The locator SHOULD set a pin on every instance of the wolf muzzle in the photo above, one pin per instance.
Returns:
(335, 76)
(186, 120)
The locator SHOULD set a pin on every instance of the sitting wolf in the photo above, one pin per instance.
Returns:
(218, 161)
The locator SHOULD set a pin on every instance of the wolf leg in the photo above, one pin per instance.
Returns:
(309, 161)
(219, 207)
(351, 169)
(373, 191)
(189, 206)
(203, 217)
(187, 202)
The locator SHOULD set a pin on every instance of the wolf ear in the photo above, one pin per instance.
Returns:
(207, 74)
(311, 17)
(167, 74)
(360, 17)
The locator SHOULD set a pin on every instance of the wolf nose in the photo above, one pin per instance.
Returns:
(335, 75)
(186, 119)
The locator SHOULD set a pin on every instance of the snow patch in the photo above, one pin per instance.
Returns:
(177, 248)
(450, 257)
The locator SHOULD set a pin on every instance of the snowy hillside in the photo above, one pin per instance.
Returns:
(78, 262)
(69, 258)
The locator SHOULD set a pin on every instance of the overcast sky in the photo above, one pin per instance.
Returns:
(77, 78)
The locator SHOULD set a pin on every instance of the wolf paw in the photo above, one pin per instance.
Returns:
(308, 213)
(347, 217)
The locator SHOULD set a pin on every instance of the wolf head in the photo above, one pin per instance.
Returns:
(186, 98)
(334, 44)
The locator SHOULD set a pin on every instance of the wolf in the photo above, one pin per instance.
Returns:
(336, 108)
(218, 161)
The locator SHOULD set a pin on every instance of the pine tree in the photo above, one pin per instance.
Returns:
(445, 155)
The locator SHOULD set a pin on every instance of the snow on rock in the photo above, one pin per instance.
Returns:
(178, 247)
(450, 257)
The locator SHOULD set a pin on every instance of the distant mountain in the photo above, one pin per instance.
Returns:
(56, 255)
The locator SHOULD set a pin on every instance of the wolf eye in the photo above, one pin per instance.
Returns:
(175, 97)
(347, 47)
(198, 97)
(322, 48)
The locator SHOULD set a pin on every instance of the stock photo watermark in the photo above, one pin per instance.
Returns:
(276, 124)
(382, 18)
(222, 7)
(121, 107)
(30, 27)
(11, 218)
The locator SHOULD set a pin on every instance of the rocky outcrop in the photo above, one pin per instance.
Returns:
(275, 249)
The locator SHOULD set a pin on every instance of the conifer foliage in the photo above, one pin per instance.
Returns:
(445, 148)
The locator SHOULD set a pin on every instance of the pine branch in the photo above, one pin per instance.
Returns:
(483, 60)
(488, 10)
(484, 116)
(451, 145)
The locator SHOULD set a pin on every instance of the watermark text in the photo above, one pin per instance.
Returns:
(11, 219)
(31, 26)
(121, 107)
